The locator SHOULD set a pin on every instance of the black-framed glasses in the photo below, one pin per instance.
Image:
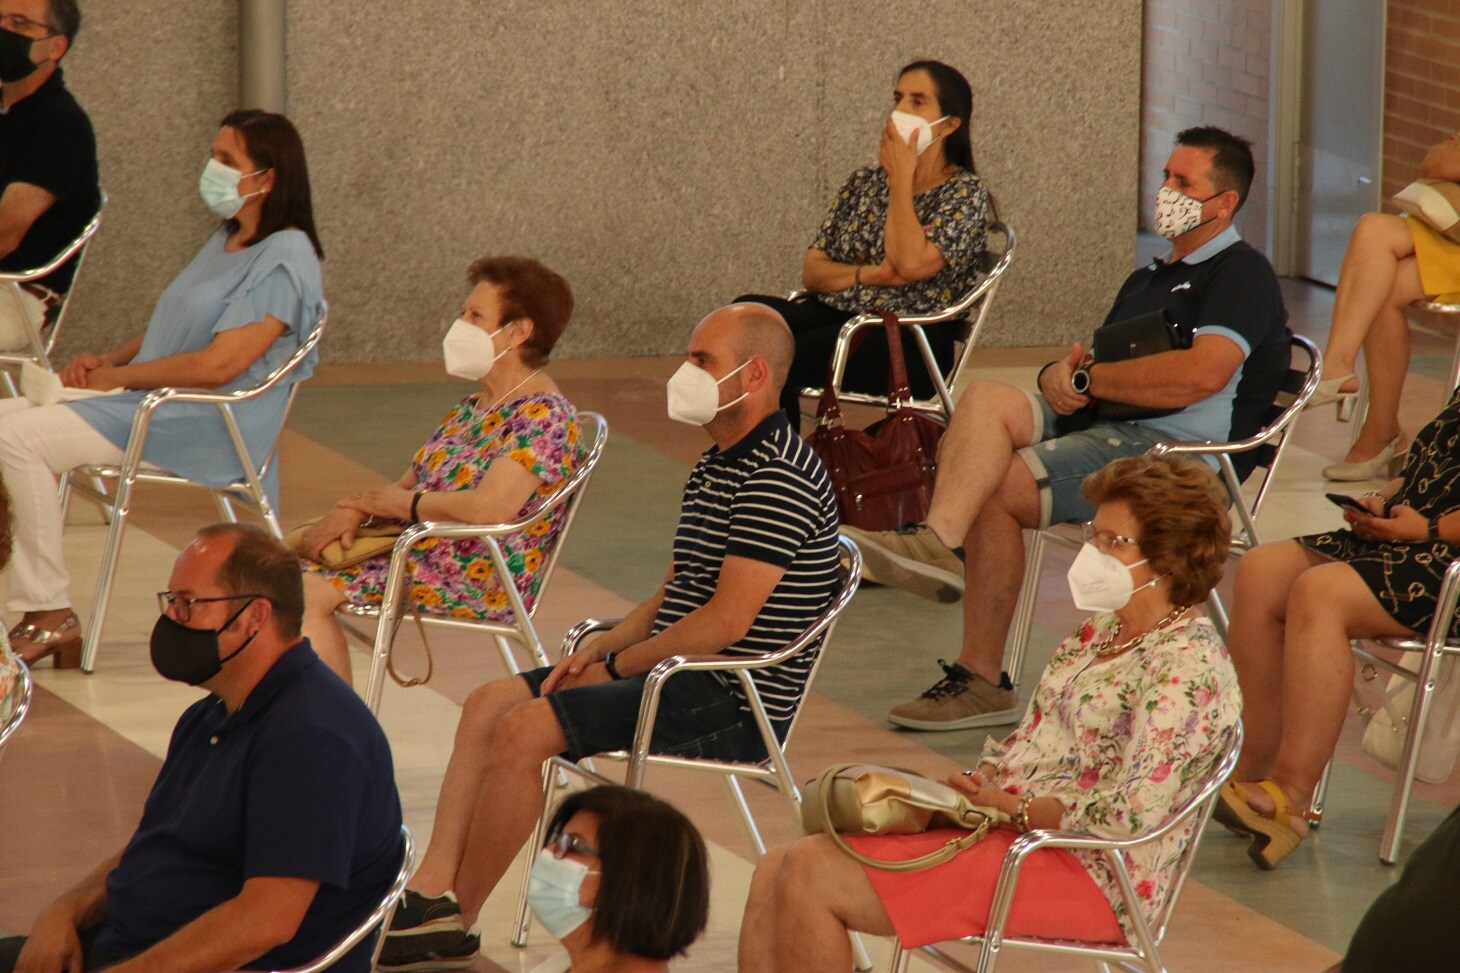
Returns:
(1105, 541)
(564, 842)
(20, 25)
(182, 608)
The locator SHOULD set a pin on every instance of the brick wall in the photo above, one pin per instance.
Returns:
(1421, 84)
(1205, 62)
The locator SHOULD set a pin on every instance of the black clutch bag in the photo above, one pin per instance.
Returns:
(1137, 337)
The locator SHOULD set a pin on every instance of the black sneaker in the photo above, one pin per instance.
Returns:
(434, 947)
(415, 912)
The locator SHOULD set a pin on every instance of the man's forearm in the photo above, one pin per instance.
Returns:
(85, 902)
(1166, 380)
(704, 631)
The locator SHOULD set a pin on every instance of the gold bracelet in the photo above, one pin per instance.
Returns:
(1021, 816)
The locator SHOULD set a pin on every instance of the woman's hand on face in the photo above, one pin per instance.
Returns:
(388, 501)
(73, 376)
(898, 156)
(1404, 523)
(339, 524)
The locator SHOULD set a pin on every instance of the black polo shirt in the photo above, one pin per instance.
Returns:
(297, 783)
(46, 140)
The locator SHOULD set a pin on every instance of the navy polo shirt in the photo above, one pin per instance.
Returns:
(297, 783)
(1226, 288)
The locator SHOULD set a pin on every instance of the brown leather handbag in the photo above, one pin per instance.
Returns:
(883, 475)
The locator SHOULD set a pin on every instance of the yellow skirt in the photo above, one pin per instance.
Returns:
(1439, 261)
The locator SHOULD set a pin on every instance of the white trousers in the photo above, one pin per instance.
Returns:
(13, 334)
(36, 444)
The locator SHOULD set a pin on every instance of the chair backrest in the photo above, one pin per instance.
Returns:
(15, 703)
(77, 248)
(378, 917)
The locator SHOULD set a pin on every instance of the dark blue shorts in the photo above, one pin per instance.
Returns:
(698, 717)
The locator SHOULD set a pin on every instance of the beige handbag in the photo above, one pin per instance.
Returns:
(1436, 202)
(369, 542)
(1390, 705)
(867, 799)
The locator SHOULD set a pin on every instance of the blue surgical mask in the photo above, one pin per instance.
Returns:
(219, 187)
(553, 888)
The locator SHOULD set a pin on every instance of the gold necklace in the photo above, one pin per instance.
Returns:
(1105, 650)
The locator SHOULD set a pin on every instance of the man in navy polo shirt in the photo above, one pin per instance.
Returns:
(48, 173)
(273, 827)
(1005, 464)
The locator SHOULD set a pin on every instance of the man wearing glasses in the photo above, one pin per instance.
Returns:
(48, 173)
(1012, 460)
(273, 827)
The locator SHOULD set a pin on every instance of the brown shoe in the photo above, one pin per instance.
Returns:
(913, 559)
(960, 700)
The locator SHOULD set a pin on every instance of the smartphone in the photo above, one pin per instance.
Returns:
(1348, 503)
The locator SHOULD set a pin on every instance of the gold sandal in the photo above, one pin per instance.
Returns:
(1273, 838)
(63, 643)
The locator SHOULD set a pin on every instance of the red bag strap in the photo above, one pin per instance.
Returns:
(897, 388)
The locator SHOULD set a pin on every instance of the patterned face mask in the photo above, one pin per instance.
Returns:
(1177, 213)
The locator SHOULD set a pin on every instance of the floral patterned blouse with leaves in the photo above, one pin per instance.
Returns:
(539, 432)
(1125, 741)
(954, 215)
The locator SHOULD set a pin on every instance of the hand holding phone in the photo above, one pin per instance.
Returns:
(1349, 503)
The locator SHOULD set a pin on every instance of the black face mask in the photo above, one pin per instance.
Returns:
(190, 655)
(15, 62)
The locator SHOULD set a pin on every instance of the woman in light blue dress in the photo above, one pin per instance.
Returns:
(241, 307)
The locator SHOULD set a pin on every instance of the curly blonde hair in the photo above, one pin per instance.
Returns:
(1182, 509)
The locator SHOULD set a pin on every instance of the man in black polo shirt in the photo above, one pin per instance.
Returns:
(754, 563)
(48, 176)
(273, 827)
(1004, 465)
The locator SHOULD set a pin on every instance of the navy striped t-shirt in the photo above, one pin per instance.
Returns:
(767, 498)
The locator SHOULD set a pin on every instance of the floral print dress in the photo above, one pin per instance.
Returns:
(539, 432)
(1124, 741)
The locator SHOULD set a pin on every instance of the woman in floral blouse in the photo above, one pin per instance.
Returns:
(1129, 718)
(500, 451)
(905, 236)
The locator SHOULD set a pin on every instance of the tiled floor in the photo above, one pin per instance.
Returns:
(73, 779)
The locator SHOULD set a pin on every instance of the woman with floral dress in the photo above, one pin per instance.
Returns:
(1127, 721)
(499, 452)
(904, 236)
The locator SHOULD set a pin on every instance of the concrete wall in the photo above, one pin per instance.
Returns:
(662, 156)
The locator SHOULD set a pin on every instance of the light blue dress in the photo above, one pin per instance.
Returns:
(218, 291)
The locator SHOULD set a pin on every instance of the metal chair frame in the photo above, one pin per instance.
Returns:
(981, 295)
(249, 491)
(391, 611)
(378, 918)
(1277, 434)
(18, 700)
(42, 346)
(773, 771)
(1144, 947)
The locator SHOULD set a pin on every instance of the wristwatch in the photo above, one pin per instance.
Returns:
(608, 664)
(1434, 529)
(1080, 380)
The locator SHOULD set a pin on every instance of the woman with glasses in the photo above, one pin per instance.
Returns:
(238, 311)
(1128, 720)
(1299, 604)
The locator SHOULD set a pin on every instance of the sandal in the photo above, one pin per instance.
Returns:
(1273, 838)
(63, 643)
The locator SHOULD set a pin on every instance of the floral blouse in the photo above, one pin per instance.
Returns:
(954, 215)
(1125, 741)
(539, 432)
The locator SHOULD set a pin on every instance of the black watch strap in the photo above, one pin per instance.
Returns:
(1434, 530)
(611, 666)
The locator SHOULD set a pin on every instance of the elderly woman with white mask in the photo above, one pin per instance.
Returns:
(498, 452)
(905, 235)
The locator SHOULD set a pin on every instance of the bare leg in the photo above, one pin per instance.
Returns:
(820, 893)
(1365, 282)
(461, 788)
(509, 799)
(994, 569)
(320, 625)
(992, 421)
(757, 951)
(1386, 361)
(1265, 576)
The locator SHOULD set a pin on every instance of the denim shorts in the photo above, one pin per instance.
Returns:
(1061, 463)
(698, 717)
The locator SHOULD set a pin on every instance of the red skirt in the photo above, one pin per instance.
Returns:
(1056, 898)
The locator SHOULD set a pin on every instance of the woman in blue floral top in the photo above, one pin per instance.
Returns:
(1127, 722)
(905, 236)
(498, 452)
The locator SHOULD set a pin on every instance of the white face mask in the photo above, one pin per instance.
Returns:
(469, 351)
(1102, 582)
(218, 186)
(694, 395)
(907, 123)
(1177, 213)
(554, 888)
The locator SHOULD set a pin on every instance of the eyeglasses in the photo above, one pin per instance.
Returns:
(565, 842)
(21, 25)
(1104, 540)
(182, 608)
